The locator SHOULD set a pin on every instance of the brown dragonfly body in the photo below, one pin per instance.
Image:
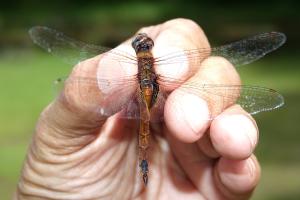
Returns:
(149, 89)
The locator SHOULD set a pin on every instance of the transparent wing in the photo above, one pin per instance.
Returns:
(71, 50)
(102, 97)
(107, 97)
(251, 49)
(253, 99)
(238, 53)
(110, 96)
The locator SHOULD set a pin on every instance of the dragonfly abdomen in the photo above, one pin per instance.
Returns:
(142, 45)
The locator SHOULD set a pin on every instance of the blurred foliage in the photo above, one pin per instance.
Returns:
(110, 22)
(27, 73)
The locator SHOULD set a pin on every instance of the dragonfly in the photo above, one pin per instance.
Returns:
(142, 94)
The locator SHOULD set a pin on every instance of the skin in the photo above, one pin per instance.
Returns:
(74, 155)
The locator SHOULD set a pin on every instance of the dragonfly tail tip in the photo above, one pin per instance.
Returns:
(145, 179)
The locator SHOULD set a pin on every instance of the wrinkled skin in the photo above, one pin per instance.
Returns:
(75, 156)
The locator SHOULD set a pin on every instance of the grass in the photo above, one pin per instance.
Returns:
(26, 88)
(279, 181)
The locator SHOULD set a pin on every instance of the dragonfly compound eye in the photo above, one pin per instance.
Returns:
(142, 42)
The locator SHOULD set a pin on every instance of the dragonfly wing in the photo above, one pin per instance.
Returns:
(253, 99)
(238, 53)
(250, 49)
(71, 50)
(157, 110)
(190, 55)
(256, 99)
(101, 97)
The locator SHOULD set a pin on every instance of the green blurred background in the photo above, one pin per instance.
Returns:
(27, 72)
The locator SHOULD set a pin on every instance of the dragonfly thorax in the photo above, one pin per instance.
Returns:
(142, 43)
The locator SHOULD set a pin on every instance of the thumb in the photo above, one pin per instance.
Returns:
(96, 89)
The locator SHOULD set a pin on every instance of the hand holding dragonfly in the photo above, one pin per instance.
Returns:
(85, 146)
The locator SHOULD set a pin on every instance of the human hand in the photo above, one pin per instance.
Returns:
(73, 155)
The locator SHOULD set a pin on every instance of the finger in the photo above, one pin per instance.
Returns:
(205, 145)
(189, 108)
(236, 179)
(234, 133)
(176, 36)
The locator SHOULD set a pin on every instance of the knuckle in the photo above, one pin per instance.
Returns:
(182, 22)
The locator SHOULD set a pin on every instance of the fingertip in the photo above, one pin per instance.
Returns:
(186, 28)
(234, 135)
(186, 115)
(238, 176)
(181, 33)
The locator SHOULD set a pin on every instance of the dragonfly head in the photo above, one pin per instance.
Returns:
(142, 42)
